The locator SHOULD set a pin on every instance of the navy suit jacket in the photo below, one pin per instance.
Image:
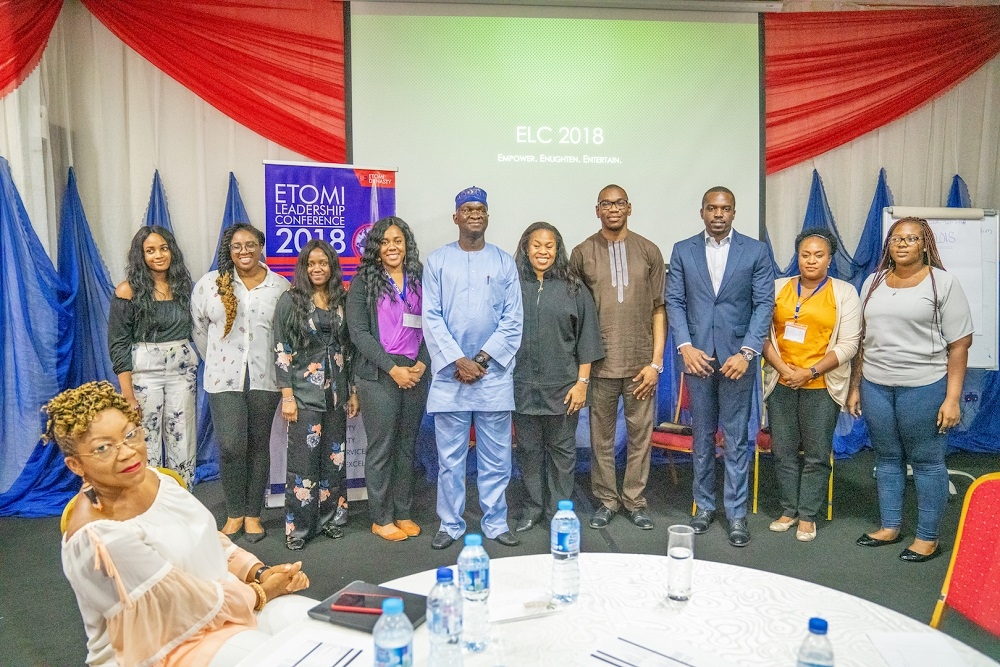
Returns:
(740, 316)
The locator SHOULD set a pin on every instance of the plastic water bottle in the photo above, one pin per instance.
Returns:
(444, 621)
(393, 635)
(564, 541)
(816, 650)
(474, 579)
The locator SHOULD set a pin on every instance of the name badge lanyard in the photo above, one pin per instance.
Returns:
(400, 292)
(798, 289)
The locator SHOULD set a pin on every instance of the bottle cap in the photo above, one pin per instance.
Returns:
(473, 540)
(817, 626)
(565, 505)
(445, 574)
(392, 606)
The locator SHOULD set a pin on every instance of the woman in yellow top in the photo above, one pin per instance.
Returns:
(814, 335)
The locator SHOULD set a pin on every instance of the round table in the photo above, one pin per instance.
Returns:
(744, 616)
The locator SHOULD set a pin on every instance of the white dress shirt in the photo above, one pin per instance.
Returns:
(251, 340)
(717, 254)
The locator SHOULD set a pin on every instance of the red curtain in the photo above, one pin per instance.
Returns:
(274, 66)
(832, 77)
(24, 31)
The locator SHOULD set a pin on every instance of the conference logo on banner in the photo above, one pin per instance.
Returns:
(334, 203)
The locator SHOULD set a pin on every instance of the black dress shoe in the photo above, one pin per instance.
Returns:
(234, 536)
(340, 517)
(913, 557)
(253, 538)
(442, 540)
(333, 531)
(867, 540)
(507, 539)
(601, 517)
(641, 519)
(295, 543)
(524, 525)
(701, 521)
(739, 534)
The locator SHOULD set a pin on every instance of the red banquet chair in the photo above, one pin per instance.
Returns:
(972, 584)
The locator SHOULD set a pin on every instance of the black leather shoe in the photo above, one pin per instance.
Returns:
(739, 534)
(253, 538)
(526, 524)
(601, 517)
(913, 557)
(295, 543)
(701, 521)
(340, 518)
(332, 531)
(442, 540)
(507, 539)
(641, 519)
(867, 540)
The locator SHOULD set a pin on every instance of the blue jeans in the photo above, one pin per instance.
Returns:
(902, 422)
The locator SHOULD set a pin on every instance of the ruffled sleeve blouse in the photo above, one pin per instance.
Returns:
(162, 588)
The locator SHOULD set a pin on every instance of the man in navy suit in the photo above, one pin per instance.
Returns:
(720, 298)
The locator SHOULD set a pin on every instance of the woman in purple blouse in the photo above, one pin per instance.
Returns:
(383, 315)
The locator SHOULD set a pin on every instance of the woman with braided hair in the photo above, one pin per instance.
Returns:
(907, 379)
(232, 310)
(154, 581)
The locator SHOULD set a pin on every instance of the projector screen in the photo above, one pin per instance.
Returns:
(542, 107)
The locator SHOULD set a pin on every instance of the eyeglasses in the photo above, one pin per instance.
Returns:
(606, 205)
(910, 240)
(135, 438)
(240, 247)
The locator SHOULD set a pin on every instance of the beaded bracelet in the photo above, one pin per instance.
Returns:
(261, 595)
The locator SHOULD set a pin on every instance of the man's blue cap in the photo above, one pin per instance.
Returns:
(471, 194)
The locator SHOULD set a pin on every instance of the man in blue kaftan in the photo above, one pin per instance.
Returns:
(472, 324)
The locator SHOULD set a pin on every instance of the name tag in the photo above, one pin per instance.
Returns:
(795, 332)
(410, 320)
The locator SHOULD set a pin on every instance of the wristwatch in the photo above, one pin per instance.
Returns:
(815, 372)
(481, 360)
(658, 369)
(748, 355)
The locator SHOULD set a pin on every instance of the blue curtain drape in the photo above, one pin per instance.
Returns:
(83, 271)
(958, 195)
(157, 212)
(207, 467)
(36, 338)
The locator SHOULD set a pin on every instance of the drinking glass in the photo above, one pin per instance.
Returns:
(680, 551)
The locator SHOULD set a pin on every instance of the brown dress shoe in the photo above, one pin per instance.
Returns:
(411, 529)
(389, 532)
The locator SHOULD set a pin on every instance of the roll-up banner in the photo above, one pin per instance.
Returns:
(337, 203)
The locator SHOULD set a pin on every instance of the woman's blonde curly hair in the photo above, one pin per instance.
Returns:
(71, 412)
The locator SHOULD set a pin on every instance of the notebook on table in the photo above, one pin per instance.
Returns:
(365, 600)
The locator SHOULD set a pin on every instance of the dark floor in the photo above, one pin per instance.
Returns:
(40, 624)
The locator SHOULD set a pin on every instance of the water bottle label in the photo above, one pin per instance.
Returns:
(399, 656)
(568, 542)
(477, 580)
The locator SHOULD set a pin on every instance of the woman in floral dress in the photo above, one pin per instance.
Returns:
(313, 371)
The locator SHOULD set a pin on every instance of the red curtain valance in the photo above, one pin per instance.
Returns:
(274, 66)
(831, 77)
(24, 32)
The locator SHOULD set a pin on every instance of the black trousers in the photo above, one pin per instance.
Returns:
(802, 419)
(242, 421)
(315, 482)
(392, 421)
(546, 453)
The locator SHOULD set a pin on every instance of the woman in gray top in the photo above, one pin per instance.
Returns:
(907, 379)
